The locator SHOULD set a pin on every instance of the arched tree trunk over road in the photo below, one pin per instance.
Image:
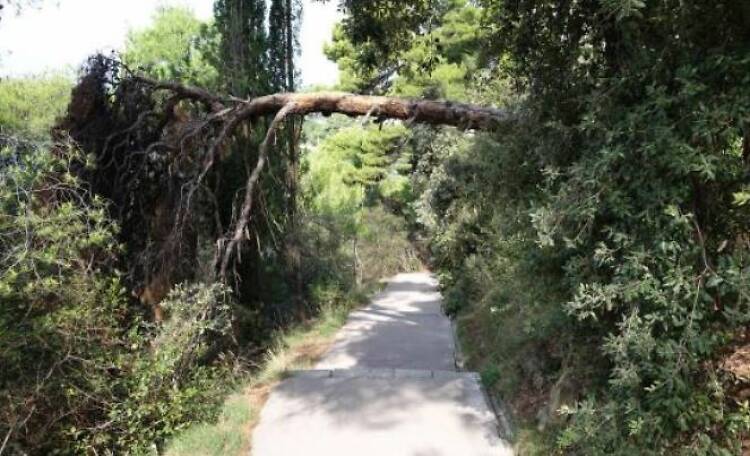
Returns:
(460, 115)
(230, 112)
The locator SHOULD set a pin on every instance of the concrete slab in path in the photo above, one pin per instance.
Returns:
(387, 387)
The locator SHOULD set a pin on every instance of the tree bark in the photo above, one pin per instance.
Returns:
(424, 111)
(413, 110)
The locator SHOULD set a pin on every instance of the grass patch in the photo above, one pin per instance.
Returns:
(294, 349)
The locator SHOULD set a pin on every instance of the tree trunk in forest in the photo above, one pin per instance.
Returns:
(294, 251)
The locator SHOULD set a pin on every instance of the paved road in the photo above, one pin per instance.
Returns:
(388, 386)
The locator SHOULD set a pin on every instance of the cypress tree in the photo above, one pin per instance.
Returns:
(283, 30)
(242, 54)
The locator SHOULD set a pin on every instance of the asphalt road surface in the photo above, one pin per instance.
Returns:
(388, 386)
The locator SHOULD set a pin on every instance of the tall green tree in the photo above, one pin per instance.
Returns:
(256, 57)
(284, 20)
(283, 33)
(242, 56)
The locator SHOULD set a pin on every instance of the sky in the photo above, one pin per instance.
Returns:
(62, 33)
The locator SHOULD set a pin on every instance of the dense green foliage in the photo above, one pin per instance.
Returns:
(355, 184)
(356, 165)
(81, 370)
(256, 56)
(596, 248)
(283, 33)
(242, 56)
(176, 46)
(29, 106)
(86, 366)
(98, 354)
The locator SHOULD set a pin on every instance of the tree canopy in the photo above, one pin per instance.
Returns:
(175, 46)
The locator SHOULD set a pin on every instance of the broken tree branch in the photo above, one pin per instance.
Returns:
(214, 102)
(247, 205)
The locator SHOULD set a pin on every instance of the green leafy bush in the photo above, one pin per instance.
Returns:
(29, 106)
(59, 308)
(81, 370)
(659, 255)
(172, 384)
(596, 247)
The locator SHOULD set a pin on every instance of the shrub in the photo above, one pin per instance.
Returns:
(81, 370)
(29, 106)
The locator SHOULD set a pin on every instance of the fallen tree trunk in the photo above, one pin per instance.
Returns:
(228, 113)
(423, 111)
(460, 115)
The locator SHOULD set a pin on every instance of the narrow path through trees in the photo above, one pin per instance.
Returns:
(388, 386)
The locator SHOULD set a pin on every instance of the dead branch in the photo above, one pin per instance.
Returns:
(424, 111)
(247, 205)
(214, 102)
